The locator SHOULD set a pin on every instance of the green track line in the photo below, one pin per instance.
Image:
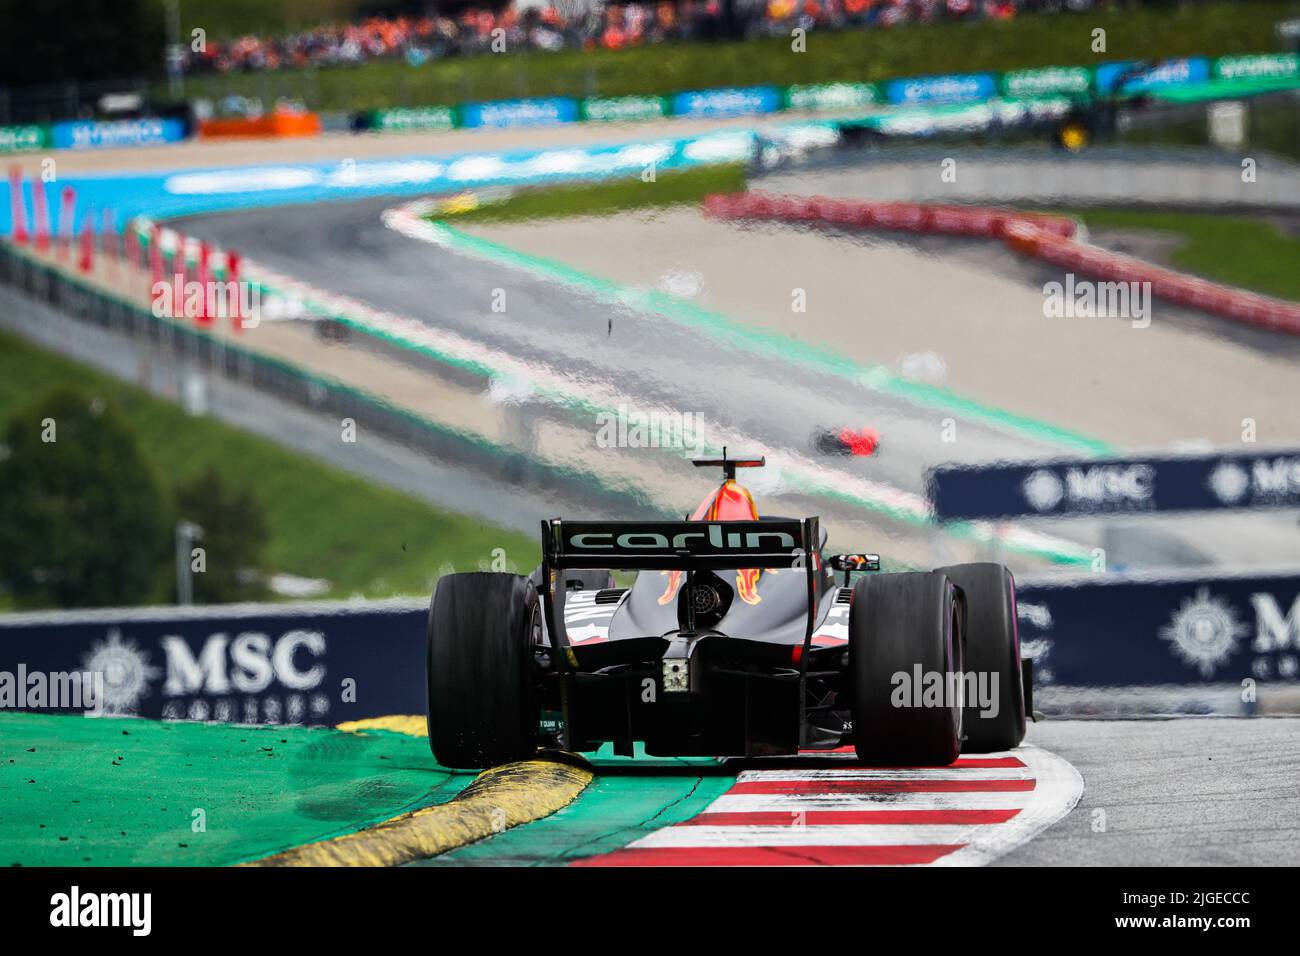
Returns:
(77, 791)
(768, 344)
(628, 799)
(576, 403)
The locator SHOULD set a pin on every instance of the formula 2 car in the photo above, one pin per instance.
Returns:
(734, 640)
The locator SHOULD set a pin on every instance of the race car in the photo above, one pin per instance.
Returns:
(734, 639)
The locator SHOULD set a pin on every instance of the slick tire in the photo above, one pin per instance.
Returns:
(482, 704)
(992, 648)
(901, 627)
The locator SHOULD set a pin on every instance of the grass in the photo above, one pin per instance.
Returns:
(606, 198)
(222, 19)
(322, 522)
(80, 792)
(1272, 126)
(1210, 29)
(1243, 251)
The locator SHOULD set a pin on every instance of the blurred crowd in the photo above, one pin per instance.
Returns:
(609, 26)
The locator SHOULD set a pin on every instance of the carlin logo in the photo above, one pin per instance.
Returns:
(1204, 632)
(653, 540)
(126, 669)
(1229, 482)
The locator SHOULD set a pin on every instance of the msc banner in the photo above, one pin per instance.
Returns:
(957, 88)
(1047, 81)
(253, 663)
(93, 134)
(736, 101)
(623, 109)
(1068, 488)
(1100, 631)
(438, 118)
(1194, 69)
(14, 139)
(516, 113)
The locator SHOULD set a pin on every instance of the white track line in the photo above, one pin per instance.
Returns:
(794, 803)
(1058, 791)
(903, 817)
(841, 835)
(884, 773)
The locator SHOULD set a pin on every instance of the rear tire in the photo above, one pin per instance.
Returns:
(992, 647)
(898, 622)
(482, 705)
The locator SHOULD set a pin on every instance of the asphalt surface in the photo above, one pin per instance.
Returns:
(1201, 792)
(1179, 792)
(344, 247)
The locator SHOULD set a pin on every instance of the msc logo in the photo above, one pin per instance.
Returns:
(1273, 481)
(713, 536)
(1205, 631)
(248, 665)
(1091, 487)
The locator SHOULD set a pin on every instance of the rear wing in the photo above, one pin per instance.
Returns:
(688, 546)
(679, 545)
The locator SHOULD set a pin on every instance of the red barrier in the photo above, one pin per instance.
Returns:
(86, 258)
(205, 282)
(180, 276)
(108, 241)
(155, 256)
(1040, 236)
(933, 218)
(18, 208)
(67, 221)
(275, 125)
(232, 277)
(40, 216)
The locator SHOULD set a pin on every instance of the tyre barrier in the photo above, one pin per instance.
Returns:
(931, 218)
(1050, 239)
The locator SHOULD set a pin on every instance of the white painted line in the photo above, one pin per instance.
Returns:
(927, 773)
(794, 803)
(1058, 791)
(842, 835)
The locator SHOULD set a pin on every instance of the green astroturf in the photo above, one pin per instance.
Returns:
(78, 791)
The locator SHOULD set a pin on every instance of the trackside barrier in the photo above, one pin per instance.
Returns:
(1187, 642)
(930, 218)
(237, 663)
(1217, 481)
(276, 125)
(81, 300)
(1237, 304)
(1101, 644)
(1051, 239)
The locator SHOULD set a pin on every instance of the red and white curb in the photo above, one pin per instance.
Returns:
(964, 815)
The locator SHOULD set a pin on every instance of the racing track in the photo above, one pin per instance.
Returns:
(650, 360)
(1189, 792)
(345, 248)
